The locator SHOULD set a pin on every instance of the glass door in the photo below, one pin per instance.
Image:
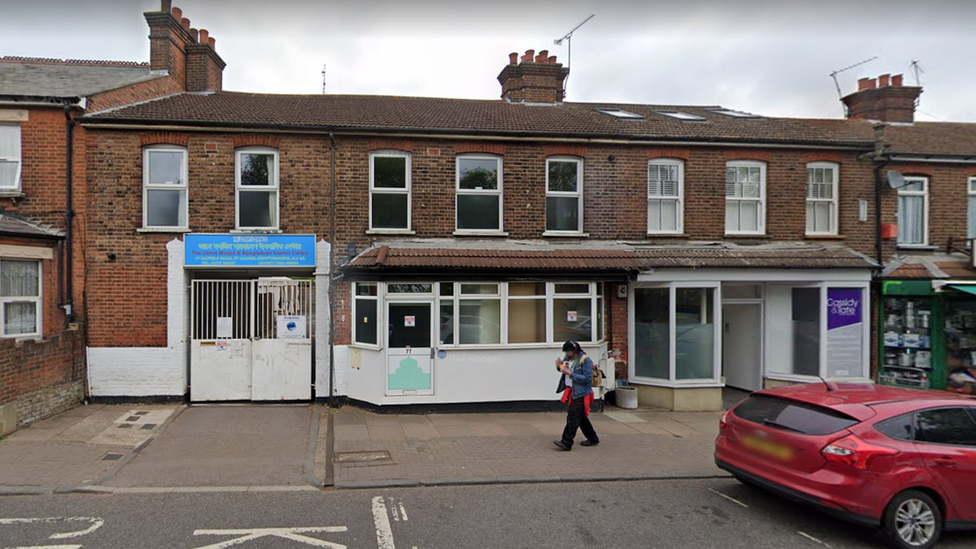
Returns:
(409, 348)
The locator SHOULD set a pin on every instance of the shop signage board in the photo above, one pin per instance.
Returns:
(845, 331)
(249, 250)
(292, 327)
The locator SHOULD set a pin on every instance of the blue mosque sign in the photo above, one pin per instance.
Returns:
(249, 250)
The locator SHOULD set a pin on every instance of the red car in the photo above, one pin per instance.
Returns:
(900, 459)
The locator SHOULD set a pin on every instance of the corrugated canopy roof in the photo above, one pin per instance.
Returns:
(13, 224)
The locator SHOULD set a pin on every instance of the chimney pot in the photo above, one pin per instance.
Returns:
(194, 33)
(898, 80)
(542, 57)
(866, 84)
(530, 55)
(204, 37)
(884, 80)
(167, 5)
(552, 60)
(513, 58)
(213, 43)
(177, 13)
(186, 23)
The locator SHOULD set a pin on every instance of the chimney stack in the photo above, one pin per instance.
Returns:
(186, 54)
(535, 79)
(886, 99)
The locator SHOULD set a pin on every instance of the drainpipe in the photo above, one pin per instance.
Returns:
(69, 215)
(332, 245)
(880, 162)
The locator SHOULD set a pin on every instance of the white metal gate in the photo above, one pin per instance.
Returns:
(251, 339)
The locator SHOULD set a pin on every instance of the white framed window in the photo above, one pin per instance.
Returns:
(164, 188)
(257, 188)
(564, 195)
(822, 190)
(665, 196)
(10, 162)
(745, 197)
(389, 191)
(365, 313)
(971, 197)
(913, 212)
(20, 297)
(479, 193)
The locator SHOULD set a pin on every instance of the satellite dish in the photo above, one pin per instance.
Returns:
(895, 179)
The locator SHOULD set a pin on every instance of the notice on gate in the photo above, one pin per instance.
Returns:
(225, 327)
(291, 327)
(249, 250)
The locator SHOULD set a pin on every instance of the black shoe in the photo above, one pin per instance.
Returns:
(589, 443)
(562, 445)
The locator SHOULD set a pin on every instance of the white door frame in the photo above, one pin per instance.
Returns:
(760, 371)
(420, 353)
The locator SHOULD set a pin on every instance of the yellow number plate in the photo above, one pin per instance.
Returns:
(763, 446)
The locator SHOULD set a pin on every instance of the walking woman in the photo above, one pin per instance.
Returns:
(577, 388)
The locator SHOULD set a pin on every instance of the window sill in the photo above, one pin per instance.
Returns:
(825, 237)
(667, 235)
(565, 234)
(365, 347)
(172, 230)
(256, 231)
(697, 384)
(748, 236)
(917, 247)
(462, 232)
(12, 194)
(392, 231)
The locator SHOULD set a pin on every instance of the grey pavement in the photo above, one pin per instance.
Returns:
(646, 514)
(388, 449)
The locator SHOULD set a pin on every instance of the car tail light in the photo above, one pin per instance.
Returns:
(854, 452)
(724, 419)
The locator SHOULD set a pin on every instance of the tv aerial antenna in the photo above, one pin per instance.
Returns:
(323, 79)
(568, 38)
(840, 94)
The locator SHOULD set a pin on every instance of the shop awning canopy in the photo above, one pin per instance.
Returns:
(603, 258)
(967, 288)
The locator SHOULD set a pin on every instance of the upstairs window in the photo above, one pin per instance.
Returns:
(20, 294)
(257, 189)
(822, 182)
(10, 164)
(479, 194)
(389, 191)
(665, 185)
(971, 224)
(745, 198)
(564, 195)
(913, 212)
(164, 194)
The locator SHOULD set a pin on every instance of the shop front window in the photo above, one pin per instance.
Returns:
(794, 345)
(960, 344)
(479, 315)
(365, 313)
(527, 312)
(652, 333)
(675, 333)
(694, 333)
(907, 342)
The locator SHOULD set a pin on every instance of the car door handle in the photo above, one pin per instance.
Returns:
(945, 461)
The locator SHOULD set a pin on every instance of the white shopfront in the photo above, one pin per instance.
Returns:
(693, 332)
(466, 341)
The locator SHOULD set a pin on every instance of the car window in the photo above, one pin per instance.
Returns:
(945, 426)
(807, 419)
(898, 427)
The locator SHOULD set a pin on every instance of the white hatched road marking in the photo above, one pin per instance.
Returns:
(403, 511)
(811, 538)
(93, 523)
(381, 519)
(730, 498)
(293, 534)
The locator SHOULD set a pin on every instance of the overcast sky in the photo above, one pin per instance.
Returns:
(770, 57)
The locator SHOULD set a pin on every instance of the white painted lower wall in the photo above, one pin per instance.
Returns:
(482, 375)
(148, 371)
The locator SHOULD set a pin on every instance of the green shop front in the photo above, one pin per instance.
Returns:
(927, 334)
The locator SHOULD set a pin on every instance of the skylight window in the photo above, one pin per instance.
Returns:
(734, 114)
(681, 115)
(621, 114)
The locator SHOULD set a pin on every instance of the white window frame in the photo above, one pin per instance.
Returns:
(475, 192)
(971, 208)
(38, 304)
(679, 200)
(761, 221)
(273, 187)
(407, 190)
(833, 224)
(378, 298)
(578, 194)
(672, 381)
(924, 193)
(18, 159)
(182, 186)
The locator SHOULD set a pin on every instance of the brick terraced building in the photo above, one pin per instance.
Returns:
(44, 204)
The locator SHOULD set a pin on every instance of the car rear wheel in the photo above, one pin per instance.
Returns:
(912, 521)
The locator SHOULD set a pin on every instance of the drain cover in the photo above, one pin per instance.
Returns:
(125, 426)
(371, 456)
(148, 426)
(111, 457)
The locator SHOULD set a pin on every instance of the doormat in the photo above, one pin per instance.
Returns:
(369, 456)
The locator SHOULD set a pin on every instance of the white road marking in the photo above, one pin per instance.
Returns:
(47, 547)
(730, 498)
(811, 538)
(394, 511)
(293, 534)
(384, 535)
(403, 512)
(94, 524)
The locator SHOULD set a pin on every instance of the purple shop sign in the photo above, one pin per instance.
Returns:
(844, 307)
